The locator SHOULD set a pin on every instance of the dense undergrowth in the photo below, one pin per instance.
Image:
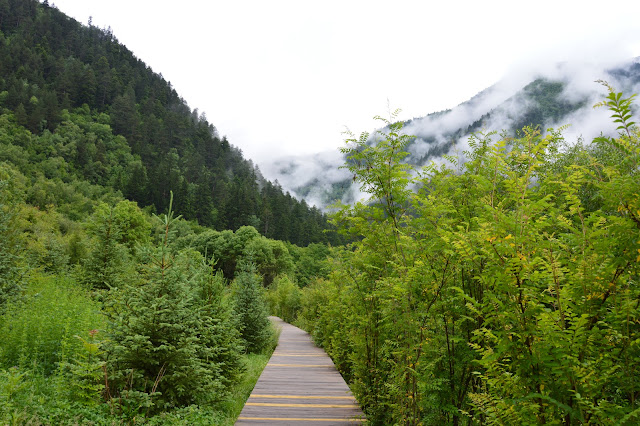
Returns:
(126, 317)
(500, 289)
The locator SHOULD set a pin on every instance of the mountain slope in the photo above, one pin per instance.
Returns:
(103, 116)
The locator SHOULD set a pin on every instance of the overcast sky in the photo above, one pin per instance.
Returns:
(285, 77)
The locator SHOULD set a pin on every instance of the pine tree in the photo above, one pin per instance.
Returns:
(171, 340)
(251, 309)
(104, 268)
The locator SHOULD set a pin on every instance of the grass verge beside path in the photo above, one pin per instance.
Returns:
(226, 412)
(254, 364)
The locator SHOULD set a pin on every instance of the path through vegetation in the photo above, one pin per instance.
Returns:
(300, 385)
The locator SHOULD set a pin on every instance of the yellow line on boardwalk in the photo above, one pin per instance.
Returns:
(301, 397)
(318, 355)
(287, 419)
(273, 404)
(299, 365)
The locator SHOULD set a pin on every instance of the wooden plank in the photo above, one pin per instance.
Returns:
(300, 385)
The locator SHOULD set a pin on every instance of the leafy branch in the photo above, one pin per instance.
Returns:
(621, 107)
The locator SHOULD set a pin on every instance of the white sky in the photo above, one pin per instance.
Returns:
(285, 77)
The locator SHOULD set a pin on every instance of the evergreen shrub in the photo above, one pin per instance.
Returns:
(172, 340)
(251, 309)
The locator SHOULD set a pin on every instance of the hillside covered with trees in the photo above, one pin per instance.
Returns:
(79, 108)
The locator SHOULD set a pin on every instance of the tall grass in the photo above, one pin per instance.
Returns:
(38, 330)
(39, 334)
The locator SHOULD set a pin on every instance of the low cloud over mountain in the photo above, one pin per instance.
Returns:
(562, 94)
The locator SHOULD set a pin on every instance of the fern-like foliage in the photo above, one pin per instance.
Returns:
(621, 107)
(622, 114)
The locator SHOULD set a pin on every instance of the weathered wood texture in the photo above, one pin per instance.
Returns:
(299, 386)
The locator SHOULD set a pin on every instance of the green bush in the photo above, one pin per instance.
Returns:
(310, 262)
(503, 291)
(271, 257)
(314, 301)
(9, 271)
(10, 192)
(105, 267)
(283, 297)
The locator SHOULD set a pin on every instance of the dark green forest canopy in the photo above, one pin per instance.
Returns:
(80, 106)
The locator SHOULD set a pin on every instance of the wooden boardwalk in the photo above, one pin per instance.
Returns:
(299, 386)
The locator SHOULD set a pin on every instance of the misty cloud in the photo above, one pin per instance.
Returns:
(317, 172)
(500, 107)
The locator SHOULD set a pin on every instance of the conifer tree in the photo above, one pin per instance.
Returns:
(104, 268)
(172, 341)
(251, 309)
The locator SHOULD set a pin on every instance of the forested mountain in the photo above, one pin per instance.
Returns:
(77, 105)
(111, 313)
(560, 95)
